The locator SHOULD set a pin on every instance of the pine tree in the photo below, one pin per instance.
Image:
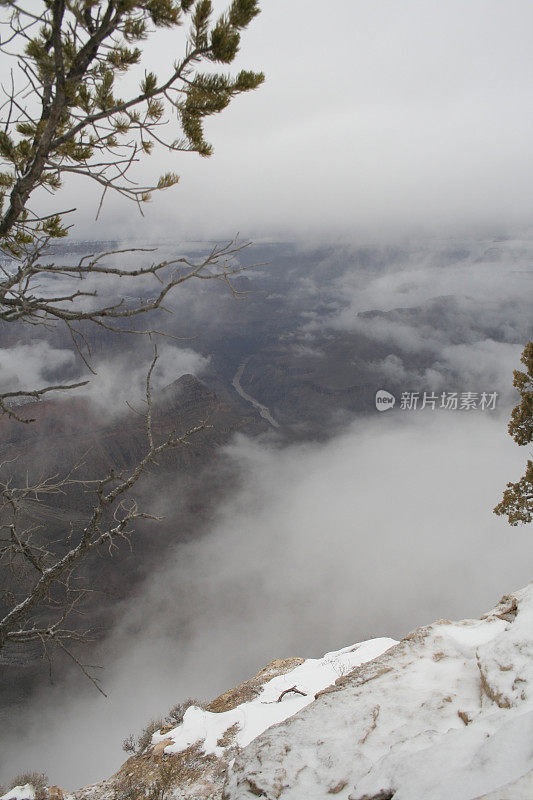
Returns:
(517, 501)
(63, 112)
(68, 118)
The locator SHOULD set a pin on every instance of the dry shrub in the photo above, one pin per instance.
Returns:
(177, 712)
(38, 780)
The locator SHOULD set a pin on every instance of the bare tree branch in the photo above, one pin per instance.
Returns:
(110, 522)
(62, 114)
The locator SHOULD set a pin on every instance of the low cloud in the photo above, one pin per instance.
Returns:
(31, 366)
(383, 528)
(480, 284)
(436, 315)
(482, 366)
(121, 380)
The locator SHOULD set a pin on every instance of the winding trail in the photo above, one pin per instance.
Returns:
(263, 410)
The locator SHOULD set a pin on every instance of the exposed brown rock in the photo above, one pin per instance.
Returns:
(202, 775)
(246, 691)
(497, 697)
(338, 787)
(159, 748)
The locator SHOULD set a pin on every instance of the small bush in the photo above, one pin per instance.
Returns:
(128, 744)
(145, 738)
(177, 712)
(38, 780)
(132, 745)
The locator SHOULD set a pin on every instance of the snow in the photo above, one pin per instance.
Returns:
(255, 716)
(26, 792)
(522, 789)
(447, 714)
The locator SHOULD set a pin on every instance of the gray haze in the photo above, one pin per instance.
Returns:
(118, 380)
(376, 116)
(384, 528)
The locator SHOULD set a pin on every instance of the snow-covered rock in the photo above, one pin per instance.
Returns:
(279, 698)
(522, 789)
(26, 792)
(191, 759)
(446, 714)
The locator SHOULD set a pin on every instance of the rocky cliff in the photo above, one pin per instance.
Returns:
(444, 714)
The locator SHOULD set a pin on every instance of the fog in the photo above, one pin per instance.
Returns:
(25, 366)
(120, 383)
(384, 528)
(116, 382)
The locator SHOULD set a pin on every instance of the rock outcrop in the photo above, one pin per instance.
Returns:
(445, 714)
(191, 759)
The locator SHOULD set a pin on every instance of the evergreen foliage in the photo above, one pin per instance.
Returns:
(517, 501)
(71, 117)
(64, 111)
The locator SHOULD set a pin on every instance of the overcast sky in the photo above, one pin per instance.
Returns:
(375, 116)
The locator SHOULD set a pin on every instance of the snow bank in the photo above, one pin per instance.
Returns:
(279, 698)
(26, 792)
(447, 714)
